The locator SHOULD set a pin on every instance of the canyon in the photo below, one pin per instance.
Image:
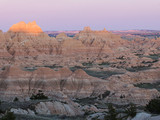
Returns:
(91, 66)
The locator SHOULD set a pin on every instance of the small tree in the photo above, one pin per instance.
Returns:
(154, 106)
(131, 111)
(16, 99)
(112, 114)
(0, 109)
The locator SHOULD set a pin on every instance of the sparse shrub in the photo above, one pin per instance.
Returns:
(87, 113)
(154, 106)
(39, 96)
(121, 58)
(122, 96)
(16, 99)
(105, 63)
(8, 116)
(87, 63)
(131, 111)
(105, 94)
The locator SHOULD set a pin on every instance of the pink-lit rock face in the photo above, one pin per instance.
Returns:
(22, 27)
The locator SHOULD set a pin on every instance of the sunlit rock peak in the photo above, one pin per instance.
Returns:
(22, 27)
(104, 30)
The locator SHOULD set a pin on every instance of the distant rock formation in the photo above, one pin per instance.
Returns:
(87, 29)
(22, 27)
(61, 36)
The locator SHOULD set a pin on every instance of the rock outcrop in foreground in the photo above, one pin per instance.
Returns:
(22, 27)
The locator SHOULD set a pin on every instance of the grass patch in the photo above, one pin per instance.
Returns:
(139, 68)
(75, 68)
(87, 64)
(53, 66)
(102, 74)
(86, 101)
(149, 85)
(105, 64)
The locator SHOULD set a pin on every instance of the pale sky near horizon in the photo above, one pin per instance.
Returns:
(75, 14)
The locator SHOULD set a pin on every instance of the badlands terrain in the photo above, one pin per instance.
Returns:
(80, 73)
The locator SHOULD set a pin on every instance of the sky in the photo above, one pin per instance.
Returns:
(53, 15)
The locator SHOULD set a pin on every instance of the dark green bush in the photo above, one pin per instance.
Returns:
(153, 106)
(87, 63)
(8, 116)
(39, 96)
(131, 111)
(122, 96)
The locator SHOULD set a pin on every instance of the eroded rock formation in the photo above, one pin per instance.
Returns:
(89, 50)
(15, 81)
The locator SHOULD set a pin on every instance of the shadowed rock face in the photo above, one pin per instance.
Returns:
(22, 27)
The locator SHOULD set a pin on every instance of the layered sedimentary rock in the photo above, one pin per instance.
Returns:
(124, 86)
(87, 44)
(15, 81)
